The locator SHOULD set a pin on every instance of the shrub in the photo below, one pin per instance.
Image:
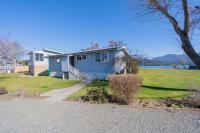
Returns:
(194, 98)
(3, 90)
(97, 95)
(124, 86)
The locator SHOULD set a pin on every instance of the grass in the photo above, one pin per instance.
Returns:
(158, 84)
(33, 85)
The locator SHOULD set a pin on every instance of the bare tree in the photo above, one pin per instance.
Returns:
(10, 51)
(94, 46)
(183, 15)
(115, 43)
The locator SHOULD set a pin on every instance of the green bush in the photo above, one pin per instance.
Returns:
(96, 95)
(124, 86)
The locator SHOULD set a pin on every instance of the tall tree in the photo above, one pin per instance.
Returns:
(183, 15)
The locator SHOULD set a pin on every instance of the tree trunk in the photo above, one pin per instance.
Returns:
(189, 50)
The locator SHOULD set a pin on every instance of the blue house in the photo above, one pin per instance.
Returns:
(88, 64)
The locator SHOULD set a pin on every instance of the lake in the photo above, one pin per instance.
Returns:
(167, 67)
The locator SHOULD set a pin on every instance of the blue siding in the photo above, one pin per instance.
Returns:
(64, 61)
(90, 66)
(54, 65)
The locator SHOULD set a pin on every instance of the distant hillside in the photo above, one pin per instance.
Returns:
(168, 59)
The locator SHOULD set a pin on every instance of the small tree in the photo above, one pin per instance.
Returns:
(132, 64)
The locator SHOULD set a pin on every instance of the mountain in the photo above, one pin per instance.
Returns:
(168, 59)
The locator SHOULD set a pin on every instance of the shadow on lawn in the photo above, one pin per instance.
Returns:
(163, 88)
(3, 77)
(99, 84)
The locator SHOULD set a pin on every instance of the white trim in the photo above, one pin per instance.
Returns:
(101, 57)
(81, 55)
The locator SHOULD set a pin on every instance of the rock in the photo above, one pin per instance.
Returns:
(3, 91)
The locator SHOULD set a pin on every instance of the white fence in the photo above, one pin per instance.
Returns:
(8, 68)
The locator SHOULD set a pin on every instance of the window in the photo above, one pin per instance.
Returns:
(39, 57)
(78, 57)
(104, 57)
(81, 57)
(97, 57)
(58, 60)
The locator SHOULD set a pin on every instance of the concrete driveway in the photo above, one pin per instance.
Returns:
(41, 116)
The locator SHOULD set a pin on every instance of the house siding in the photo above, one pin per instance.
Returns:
(91, 69)
(90, 66)
(54, 66)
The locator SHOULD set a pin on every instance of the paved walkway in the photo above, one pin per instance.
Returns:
(61, 94)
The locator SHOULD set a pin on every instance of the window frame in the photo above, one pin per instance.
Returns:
(81, 57)
(77, 57)
(96, 56)
(107, 53)
(101, 56)
(39, 57)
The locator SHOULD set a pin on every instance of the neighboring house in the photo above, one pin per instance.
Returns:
(90, 64)
(38, 63)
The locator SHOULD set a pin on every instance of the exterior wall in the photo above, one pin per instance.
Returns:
(56, 74)
(93, 70)
(90, 66)
(64, 61)
(55, 66)
(21, 69)
(39, 67)
(41, 70)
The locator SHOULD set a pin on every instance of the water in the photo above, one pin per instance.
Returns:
(167, 67)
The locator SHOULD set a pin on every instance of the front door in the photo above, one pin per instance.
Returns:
(71, 60)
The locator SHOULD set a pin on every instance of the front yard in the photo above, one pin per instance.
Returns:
(158, 84)
(33, 85)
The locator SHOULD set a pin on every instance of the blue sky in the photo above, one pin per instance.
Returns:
(70, 25)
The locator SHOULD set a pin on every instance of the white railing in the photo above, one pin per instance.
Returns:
(74, 71)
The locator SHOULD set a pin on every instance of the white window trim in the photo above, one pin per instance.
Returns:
(39, 57)
(101, 57)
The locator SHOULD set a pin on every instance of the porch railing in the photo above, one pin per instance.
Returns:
(75, 72)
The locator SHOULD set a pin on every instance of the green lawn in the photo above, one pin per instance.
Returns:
(33, 85)
(158, 84)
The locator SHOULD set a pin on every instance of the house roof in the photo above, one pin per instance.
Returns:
(101, 49)
(48, 51)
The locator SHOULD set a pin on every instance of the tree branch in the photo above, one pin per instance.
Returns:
(186, 16)
(164, 11)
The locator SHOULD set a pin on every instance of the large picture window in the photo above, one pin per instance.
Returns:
(39, 57)
(101, 57)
